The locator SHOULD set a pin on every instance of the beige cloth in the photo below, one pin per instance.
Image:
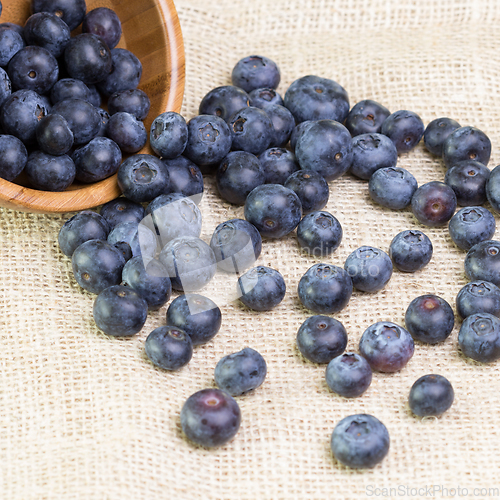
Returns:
(84, 416)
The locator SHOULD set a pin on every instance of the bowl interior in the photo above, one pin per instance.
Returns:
(152, 32)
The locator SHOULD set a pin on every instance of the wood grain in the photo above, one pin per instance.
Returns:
(151, 30)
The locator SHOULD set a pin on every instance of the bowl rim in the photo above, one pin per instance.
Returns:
(17, 197)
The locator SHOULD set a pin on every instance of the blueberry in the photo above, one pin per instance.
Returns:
(69, 88)
(471, 225)
(283, 124)
(97, 265)
(143, 177)
(190, 263)
(5, 86)
(173, 215)
(95, 97)
(404, 128)
(240, 372)
(360, 441)
(321, 338)
(369, 268)
(325, 289)
(437, 132)
(238, 174)
(264, 97)
(366, 117)
(168, 135)
(197, 315)
(319, 233)
(71, 12)
(311, 188)
(224, 101)
(493, 189)
(97, 160)
(54, 135)
(479, 337)
(83, 119)
(209, 140)
(185, 178)
(150, 282)
(252, 130)
(254, 72)
(236, 245)
(482, 262)
(139, 237)
(298, 131)
(133, 101)
(49, 173)
(104, 23)
(278, 164)
(478, 297)
(386, 346)
(122, 210)
(11, 43)
(433, 204)
(316, 98)
(349, 375)
(261, 288)
(429, 319)
(430, 396)
(410, 250)
(273, 209)
(392, 187)
(371, 152)
(210, 418)
(468, 179)
(124, 249)
(325, 147)
(14, 27)
(20, 114)
(119, 311)
(83, 226)
(127, 131)
(466, 143)
(169, 347)
(13, 157)
(87, 58)
(125, 73)
(48, 31)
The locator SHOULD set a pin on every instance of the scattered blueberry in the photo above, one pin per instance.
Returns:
(325, 289)
(434, 203)
(141, 239)
(466, 143)
(429, 319)
(493, 189)
(210, 418)
(251, 129)
(360, 441)
(185, 178)
(431, 396)
(369, 268)
(121, 210)
(468, 180)
(127, 131)
(283, 124)
(261, 288)
(371, 152)
(119, 311)
(311, 188)
(410, 250)
(169, 347)
(349, 375)
(482, 262)
(366, 117)
(278, 164)
(319, 233)
(404, 128)
(168, 135)
(437, 132)
(197, 315)
(471, 225)
(386, 346)
(241, 372)
(479, 337)
(392, 187)
(478, 297)
(321, 338)
(264, 97)
(97, 160)
(254, 72)
(224, 101)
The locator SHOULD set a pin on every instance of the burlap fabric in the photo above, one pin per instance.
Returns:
(85, 416)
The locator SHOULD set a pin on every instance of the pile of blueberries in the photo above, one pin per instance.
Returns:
(275, 156)
(53, 130)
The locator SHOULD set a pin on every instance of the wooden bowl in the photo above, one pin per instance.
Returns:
(152, 32)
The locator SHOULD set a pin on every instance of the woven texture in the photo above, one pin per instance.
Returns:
(84, 416)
